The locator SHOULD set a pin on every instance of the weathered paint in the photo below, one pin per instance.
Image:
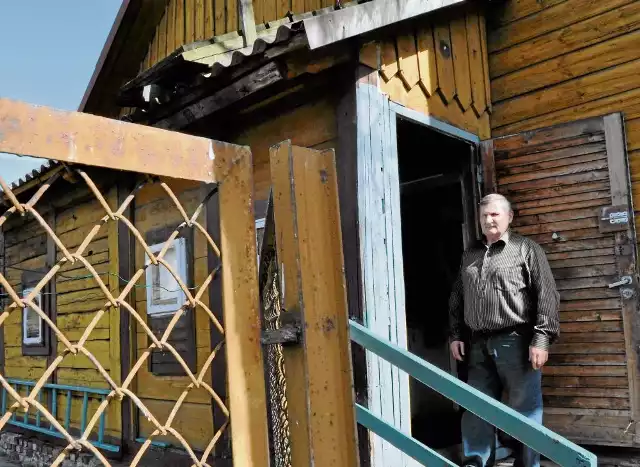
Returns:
(79, 138)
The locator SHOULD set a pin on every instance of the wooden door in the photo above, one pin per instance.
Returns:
(570, 190)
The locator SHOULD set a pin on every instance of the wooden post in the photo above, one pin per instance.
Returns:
(313, 263)
(248, 22)
(245, 369)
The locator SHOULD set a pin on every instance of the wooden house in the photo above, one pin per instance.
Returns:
(428, 105)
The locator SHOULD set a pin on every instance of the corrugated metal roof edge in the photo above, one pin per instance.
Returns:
(35, 173)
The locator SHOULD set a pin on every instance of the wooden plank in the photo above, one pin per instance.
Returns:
(586, 402)
(200, 27)
(190, 21)
(626, 258)
(584, 283)
(533, 169)
(104, 142)
(584, 382)
(162, 36)
(389, 59)
(596, 336)
(232, 16)
(574, 147)
(587, 392)
(461, 68)
(600, 326)
(593, 271)
(597, 29)
(517, 9)
(542, 205)
(408, 69)
(444, 62)
(572, 169)
(589, 305)
(171, 26)
(476, 64)
(247, 21)
(559, 134)
(297, 6)
(328, 368)
(427, 61)
(557, 227)
(282, 8)
(594, 86)
(590, 359)
(557, 181)
(593, 348)
(247, 400)
(211, 8)
(180, 23)
(588, 294)
(588, 261)
(288, 253)
(569, 66)
(584, 370)
(558, 216)
(579, 234)
(550, 19)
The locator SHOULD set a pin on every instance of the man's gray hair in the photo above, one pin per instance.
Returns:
(497, 198)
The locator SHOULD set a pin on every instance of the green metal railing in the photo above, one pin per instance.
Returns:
(52, 392)
(542, 440)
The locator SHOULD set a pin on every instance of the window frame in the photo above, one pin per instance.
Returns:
(160, 310)
(42, 346)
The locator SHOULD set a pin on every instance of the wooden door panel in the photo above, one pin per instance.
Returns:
(559, 180)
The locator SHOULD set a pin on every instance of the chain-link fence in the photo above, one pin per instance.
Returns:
(271, 301)
(29, 404)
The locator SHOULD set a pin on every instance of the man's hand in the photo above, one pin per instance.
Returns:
(457, 350)
(537, 357)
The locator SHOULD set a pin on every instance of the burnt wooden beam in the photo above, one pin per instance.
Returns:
(263, 77)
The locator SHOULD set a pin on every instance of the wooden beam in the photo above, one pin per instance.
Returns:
(261, 78)
(80, 138)
(245, 368)
(319, 278)
(288, 255)
(248, 22)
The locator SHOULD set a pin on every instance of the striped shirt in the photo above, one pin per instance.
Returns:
(508, 283)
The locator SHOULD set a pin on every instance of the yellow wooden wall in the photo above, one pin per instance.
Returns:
(439, 69)
(78, 299)
(154, 209)
(553, 62)
(187, 21)
(312, 125)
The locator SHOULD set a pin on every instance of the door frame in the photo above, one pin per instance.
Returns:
(381, 262)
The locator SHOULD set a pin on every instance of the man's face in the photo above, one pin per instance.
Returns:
(495, 219)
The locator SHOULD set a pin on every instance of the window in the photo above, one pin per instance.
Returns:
(260, 223)
(165, 297)
(36, 334)
(164, 294)
(32, 323)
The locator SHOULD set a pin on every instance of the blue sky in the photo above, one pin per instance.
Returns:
(48, 51)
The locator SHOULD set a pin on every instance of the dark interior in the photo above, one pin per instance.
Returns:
(435, 185)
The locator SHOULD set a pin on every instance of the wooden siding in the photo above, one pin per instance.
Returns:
(312, 125)
(78, 299)
(439, 69)
(555, 62)
(569, 66)
(155, 210)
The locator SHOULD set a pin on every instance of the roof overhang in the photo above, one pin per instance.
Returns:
(361, 19)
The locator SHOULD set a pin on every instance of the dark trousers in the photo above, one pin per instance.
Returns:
(501, 362)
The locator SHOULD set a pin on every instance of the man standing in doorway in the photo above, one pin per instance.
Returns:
(505, 298)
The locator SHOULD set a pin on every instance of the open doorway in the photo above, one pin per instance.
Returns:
(438, 222)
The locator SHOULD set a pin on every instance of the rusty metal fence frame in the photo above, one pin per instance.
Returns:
(78, 140)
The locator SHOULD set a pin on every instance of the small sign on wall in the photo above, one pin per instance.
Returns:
(614, 219)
